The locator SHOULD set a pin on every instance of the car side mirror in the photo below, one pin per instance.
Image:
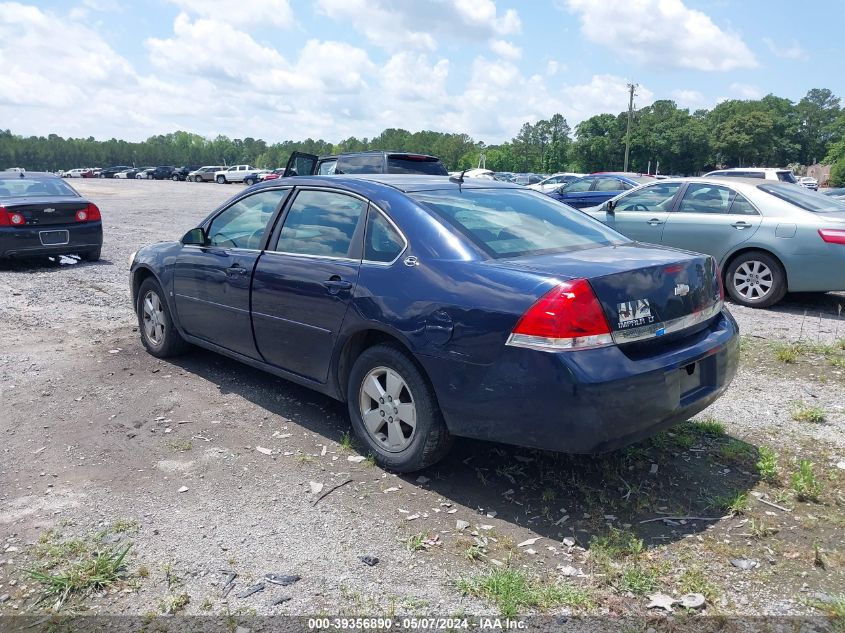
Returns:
(609, 206)
(195, 237)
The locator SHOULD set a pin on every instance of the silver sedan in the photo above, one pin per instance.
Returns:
(769, 238)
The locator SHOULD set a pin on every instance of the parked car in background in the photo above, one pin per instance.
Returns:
(372, 162)
(163, 172)
(181, 173)
(503, 176)
(127, 174)
(79, 172)
(762, 173)
(809, 183)
(276, 173)
(41, 214)
(554, 181)
(836, 192)
(769, 237)
(145, 173)
(109, 172)
(205, 174)
(527, 179)
(596, 188)
(237, 173)
(347, 285)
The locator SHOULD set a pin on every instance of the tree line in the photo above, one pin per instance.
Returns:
(772, 131)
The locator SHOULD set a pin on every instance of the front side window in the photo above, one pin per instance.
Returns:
(382, 242)
(321, 223)
(327, 167)
(706, 199)
(242, 225)
(653, 198)
(511, 223)
(575, 186)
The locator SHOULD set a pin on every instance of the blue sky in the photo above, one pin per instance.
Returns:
(287, 69)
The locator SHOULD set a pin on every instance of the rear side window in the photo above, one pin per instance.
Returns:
(578, 185)
(609, 184)
(410, 165)
(805, 198)
(327, 167)
(741, 206)
(382, 242)
(360, 164)
(321, 223)
(510, 223)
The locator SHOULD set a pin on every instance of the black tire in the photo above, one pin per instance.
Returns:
(174, 178)
(221, 180)
(431, 439)
(777, 277)
(172, 343)
(249, 181)
(91, 256)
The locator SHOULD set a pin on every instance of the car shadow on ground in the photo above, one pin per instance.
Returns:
(48, 264)
(660, 490)
(810, 303)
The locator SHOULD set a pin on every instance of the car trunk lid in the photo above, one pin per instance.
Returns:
(45, 211)
(646, 292)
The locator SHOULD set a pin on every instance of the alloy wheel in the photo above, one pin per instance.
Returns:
(753, 280)
(154, 318)
(387, 409)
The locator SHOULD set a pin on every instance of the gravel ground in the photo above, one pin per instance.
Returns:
(100, 440)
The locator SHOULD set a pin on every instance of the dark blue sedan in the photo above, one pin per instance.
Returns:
(597, 188)
(439, 308)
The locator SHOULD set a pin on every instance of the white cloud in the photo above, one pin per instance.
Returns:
(274, 12)
(398, 25)
(505, 49)
(790, 51)
(688, 98)
(663, 33)
(746, 91)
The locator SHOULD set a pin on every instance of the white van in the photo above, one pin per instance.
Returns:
(763, 173)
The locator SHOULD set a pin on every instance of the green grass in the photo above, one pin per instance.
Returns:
(121, 526)
(805, 484)
(786, 352)
(735, 502)
(767, 465)
(370, 462)
(304, 458)
(82, 575)
(182, 446)
(174, 604)
(346, 441)
(835, 610)
(513, 591)
(615, 545)
(693, 580)
(710, 427)
(474, 552)
(736, 451)
(802, 413)
(639, 579)
(415, 542)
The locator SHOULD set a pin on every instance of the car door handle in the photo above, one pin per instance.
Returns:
(655, 221)
(236, 270)
(741, 225)
(336, 284)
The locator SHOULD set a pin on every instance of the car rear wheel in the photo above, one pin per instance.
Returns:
(249, 181)
(221, 180)
(394, 411)
(756, 280)
(174, 178)
(158, 334)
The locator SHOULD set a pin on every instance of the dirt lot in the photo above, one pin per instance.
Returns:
(103, 447)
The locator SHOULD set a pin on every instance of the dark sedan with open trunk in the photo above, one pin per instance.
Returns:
(437, 307)
(40, 214)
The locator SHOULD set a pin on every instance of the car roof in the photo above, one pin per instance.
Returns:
(716, 180)
(377, 151)
(762, 169)
(407, 183)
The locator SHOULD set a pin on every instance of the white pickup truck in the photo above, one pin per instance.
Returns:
(237, 173)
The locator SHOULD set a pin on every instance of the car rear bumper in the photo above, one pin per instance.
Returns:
(27, 241)
(590, 401)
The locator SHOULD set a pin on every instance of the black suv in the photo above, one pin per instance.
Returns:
(162, 172)
(109, 172)
(181, 173)
(375, 162)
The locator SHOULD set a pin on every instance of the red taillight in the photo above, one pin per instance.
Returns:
(11, 218)
(89, 214)
(567, 317)
(833, 236)
(721, 283)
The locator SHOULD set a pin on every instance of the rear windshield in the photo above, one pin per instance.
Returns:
(511, 223)
(422, 165)
(806, 199)
(642, 180)
(787, 176)
(30, 187)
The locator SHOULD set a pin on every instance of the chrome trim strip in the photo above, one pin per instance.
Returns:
(307, 256)
(544, 344)
(212, 303)
(655, 330)
(299, 323)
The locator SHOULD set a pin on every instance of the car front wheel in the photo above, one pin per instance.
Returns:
(158, 334)
(394, 410)
(756, 280)
(174, 178)
(221, 180)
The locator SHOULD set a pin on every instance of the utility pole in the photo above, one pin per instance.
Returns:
(631, 88)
